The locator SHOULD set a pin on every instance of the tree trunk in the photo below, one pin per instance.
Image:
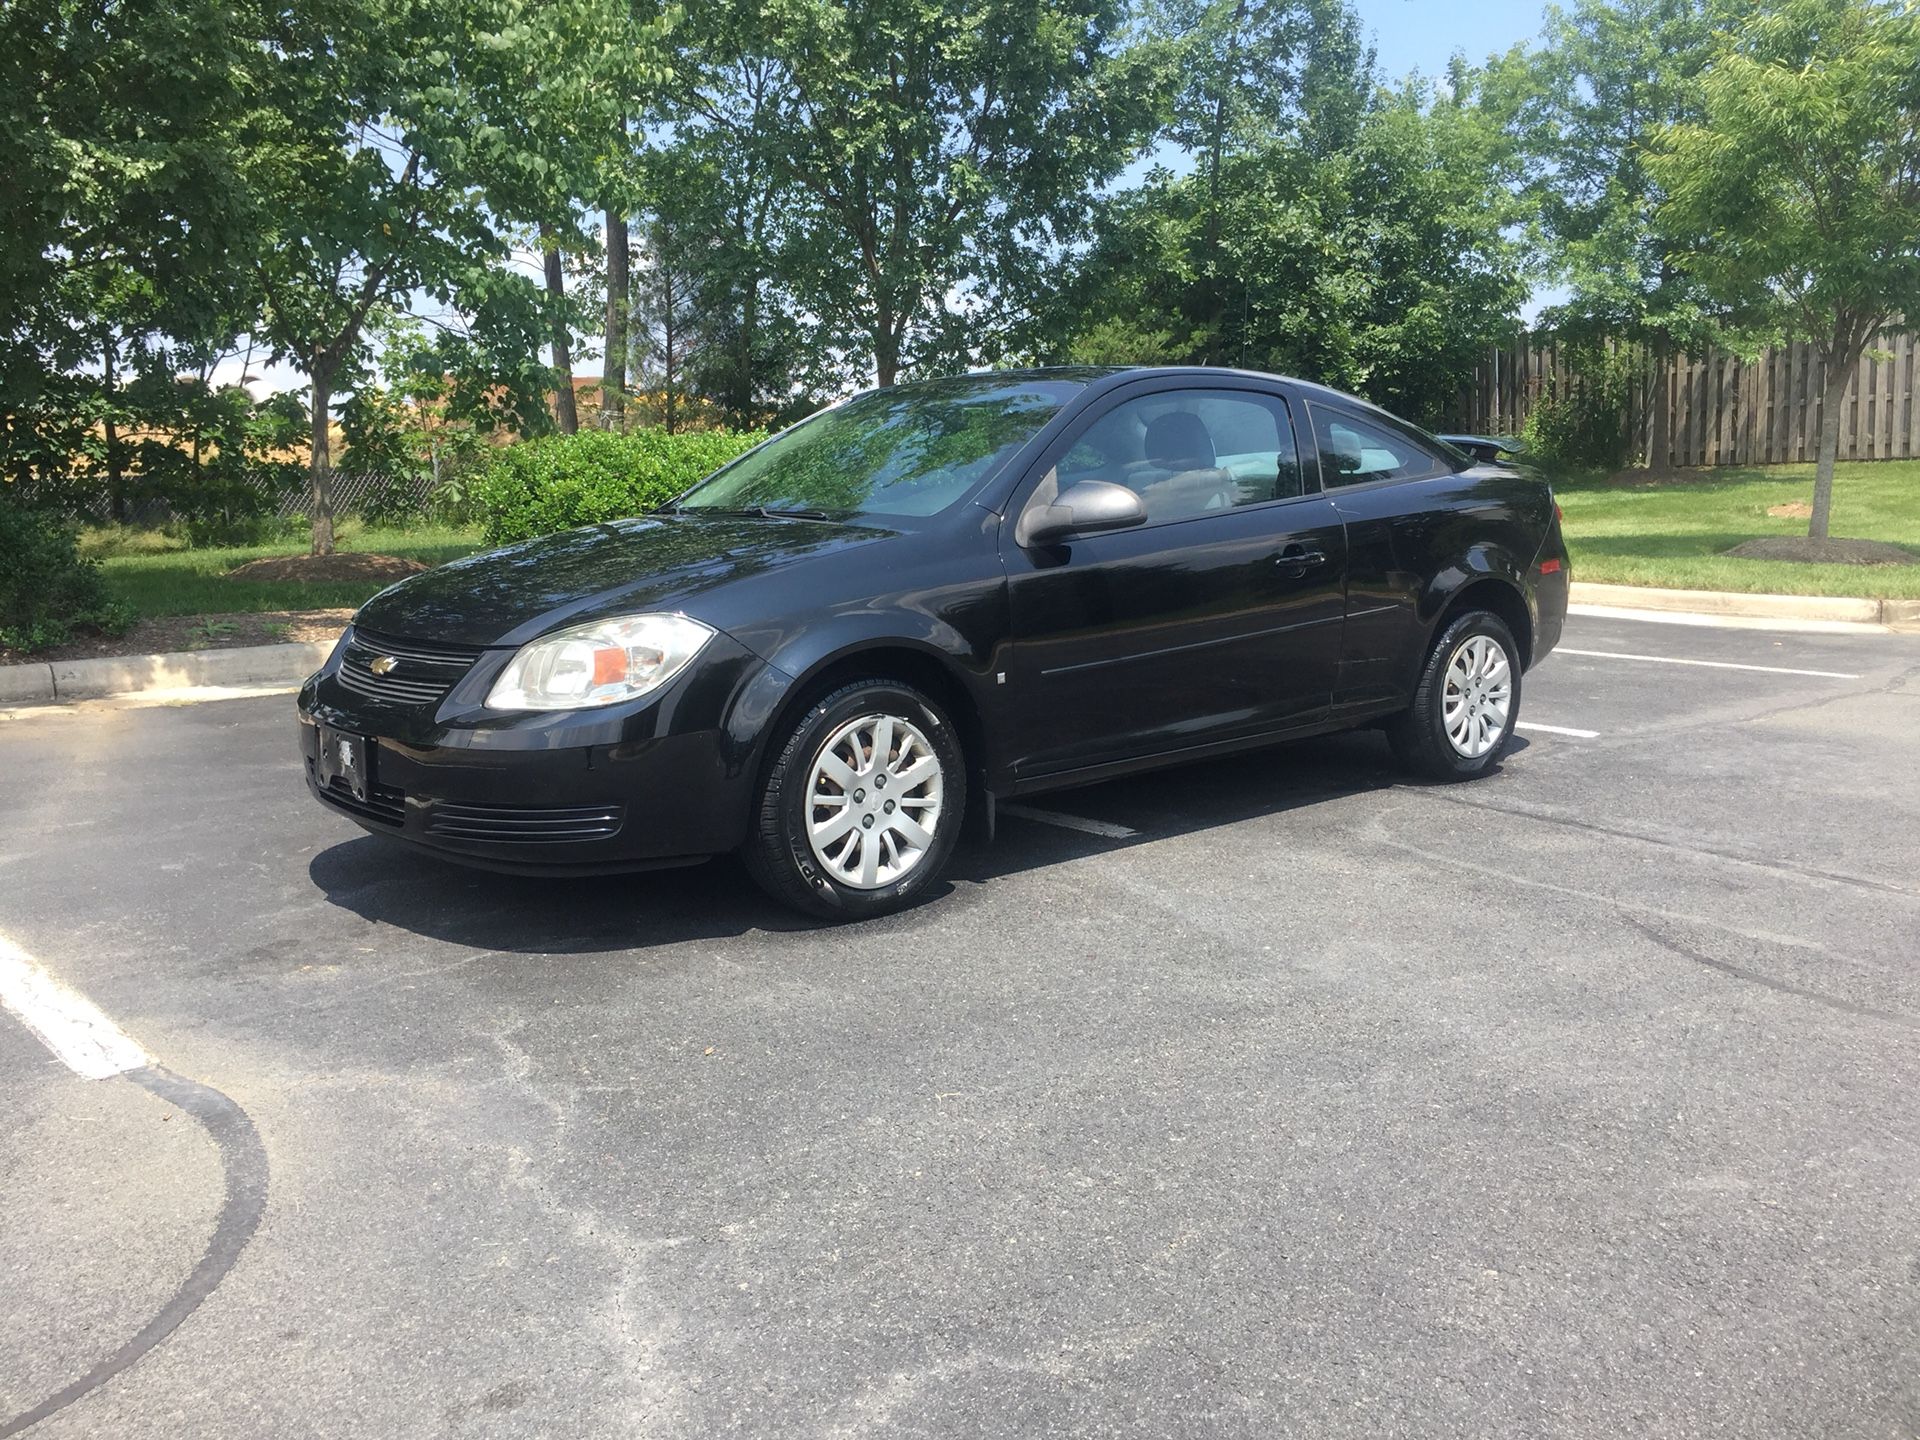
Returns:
(565, 413)
(613, 374)
(116, 482)
(1216, 297)
(667, 335)
(886, 350)
(320, 468)
(743, 381)
(1839, 376)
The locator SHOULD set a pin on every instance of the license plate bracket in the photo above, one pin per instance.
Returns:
(349, 758)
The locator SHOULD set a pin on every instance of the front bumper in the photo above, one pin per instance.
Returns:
(656, 782)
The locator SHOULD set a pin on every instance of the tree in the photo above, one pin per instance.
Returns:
(1361, 239)
(1248, 70)
(566, 412)
(123, 224)
(1586, 108)
(927, 143)
(613, 365)
(370, 150)
(715, 186)
(543, 88)
(1795, 197)
(664, 316)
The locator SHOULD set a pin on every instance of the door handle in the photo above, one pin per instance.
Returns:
(1298, 557)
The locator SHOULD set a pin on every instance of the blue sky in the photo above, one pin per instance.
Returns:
(1421, 34)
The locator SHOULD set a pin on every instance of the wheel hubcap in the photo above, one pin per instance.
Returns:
(874, 801)
(1479, 696)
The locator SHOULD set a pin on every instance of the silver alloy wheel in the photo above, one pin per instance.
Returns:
(1478, 697)
(874, 800)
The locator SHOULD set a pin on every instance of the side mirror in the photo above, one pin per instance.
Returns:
(1084, 509)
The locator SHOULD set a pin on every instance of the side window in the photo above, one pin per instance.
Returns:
(1353, 451)
(1189, 452)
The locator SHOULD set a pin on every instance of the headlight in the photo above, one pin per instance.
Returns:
(598, 664)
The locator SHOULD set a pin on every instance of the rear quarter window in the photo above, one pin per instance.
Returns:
(1354, 451)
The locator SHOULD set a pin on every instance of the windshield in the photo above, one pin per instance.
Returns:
(911, 451)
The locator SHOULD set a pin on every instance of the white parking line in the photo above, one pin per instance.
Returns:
(67, 1023)
(1704, 664)
(1069, 822)
(1557, 730)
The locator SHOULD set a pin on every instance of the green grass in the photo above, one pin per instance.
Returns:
(167, 581)
(1672, 533)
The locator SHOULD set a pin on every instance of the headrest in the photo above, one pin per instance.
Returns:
(1179, 440)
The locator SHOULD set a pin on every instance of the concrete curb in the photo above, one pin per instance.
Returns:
(1897, 614)
(132, 674)
(21, 683)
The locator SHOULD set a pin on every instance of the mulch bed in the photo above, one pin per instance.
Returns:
(1824, 552)
(341, 565)
(172, 633)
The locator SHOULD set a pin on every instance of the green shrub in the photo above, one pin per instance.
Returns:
(224, 486)
(46, 590)
(559, 481)
(1583, 422)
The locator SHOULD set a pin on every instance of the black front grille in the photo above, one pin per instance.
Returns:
(525, 824)
(421, 671)
(389, 807)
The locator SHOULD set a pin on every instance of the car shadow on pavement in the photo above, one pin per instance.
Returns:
(393, 884)
(1189, 800)
(384, 881)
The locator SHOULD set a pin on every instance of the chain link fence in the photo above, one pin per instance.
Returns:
(91, 502)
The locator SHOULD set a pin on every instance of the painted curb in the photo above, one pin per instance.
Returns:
(132, 674)
(1901, 614)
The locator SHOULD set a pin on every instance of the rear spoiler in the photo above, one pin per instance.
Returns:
(1500, 449)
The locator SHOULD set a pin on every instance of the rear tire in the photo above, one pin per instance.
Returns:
(1466, 703)
(861, 804)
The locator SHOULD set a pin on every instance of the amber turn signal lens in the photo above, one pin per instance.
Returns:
(609, 667)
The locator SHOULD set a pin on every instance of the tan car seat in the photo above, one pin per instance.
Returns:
(1180, 475)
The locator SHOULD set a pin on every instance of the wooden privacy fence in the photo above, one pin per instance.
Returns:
(1720, 409)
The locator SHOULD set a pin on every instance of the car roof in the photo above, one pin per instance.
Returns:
(1106, 376)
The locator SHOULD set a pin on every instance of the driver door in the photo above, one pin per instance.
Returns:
(1219, 617)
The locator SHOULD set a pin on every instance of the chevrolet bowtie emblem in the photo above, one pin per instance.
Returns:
(384, 665)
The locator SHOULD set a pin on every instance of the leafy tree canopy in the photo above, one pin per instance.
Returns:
(1795, 194)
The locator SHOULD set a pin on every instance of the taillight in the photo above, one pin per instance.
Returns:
(1550, 567)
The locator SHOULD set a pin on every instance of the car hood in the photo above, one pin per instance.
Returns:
(667, 562)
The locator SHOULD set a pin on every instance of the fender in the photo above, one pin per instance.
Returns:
(754, 720)
(1484, 562)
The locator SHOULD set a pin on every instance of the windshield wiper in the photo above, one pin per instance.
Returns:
(765, 512)
(796, 513)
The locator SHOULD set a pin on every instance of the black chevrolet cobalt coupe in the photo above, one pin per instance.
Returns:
(831, 653)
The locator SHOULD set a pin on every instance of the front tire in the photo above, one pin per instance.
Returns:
(861, 804)
(1466, 703)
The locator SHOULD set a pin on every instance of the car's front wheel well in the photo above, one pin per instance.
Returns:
(909, 667)
(1498, 598)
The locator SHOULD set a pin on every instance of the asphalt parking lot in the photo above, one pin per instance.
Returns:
(1269, 1096)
